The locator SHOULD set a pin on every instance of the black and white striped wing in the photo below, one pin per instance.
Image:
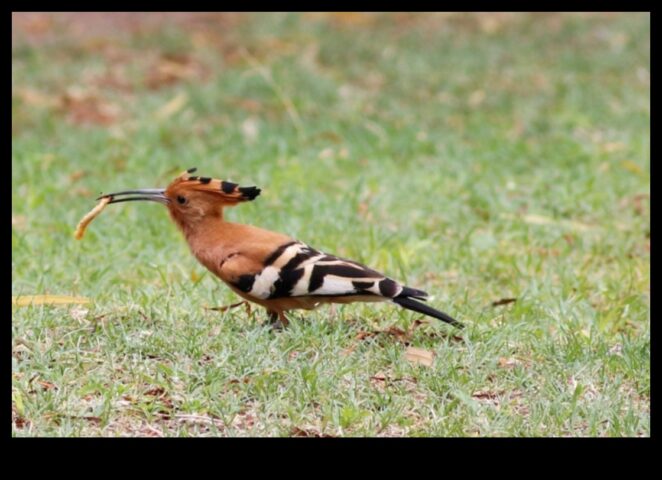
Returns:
(297, 270)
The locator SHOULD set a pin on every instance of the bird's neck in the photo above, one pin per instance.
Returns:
(208, 238)
(194, 223)
(202, 227)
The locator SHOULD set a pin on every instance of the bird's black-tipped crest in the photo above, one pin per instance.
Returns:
(230, 190)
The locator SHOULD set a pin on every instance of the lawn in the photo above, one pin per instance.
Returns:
(500, 162)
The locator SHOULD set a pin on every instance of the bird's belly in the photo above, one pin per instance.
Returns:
(304, 302)
(354, 298)
(279, 304)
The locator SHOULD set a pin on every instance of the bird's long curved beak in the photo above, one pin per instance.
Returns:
(146, 194)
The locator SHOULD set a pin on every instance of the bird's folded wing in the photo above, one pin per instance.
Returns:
(295, 270)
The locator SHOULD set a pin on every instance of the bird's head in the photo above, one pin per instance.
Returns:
(191, 198)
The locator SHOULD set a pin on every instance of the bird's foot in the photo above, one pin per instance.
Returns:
(278, 321)
(277, 326)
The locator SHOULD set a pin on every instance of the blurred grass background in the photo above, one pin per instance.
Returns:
(476, 156)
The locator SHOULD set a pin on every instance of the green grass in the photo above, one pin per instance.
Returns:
(476, 158)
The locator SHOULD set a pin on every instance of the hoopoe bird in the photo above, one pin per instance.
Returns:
(268, 268)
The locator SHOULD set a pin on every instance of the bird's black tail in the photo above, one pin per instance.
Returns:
(416, 306)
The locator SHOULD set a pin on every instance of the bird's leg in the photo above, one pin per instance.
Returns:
(277, 320)
(228, 307)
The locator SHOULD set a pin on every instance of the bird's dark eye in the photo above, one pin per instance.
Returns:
(181, 200)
